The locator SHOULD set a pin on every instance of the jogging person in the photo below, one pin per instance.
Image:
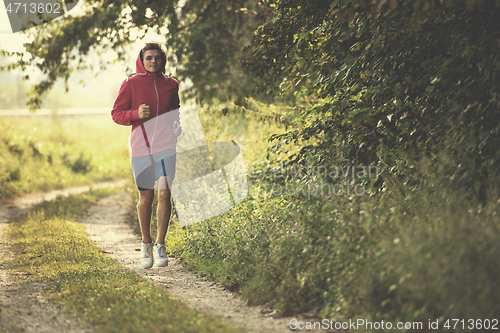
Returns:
(148, 101)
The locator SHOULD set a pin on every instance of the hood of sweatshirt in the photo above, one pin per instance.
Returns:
(139, 66)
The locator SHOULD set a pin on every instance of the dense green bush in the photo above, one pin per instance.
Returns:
(407, 254)
(405, 75)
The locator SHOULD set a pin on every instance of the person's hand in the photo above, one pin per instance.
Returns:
(144, 111)
(177, 129)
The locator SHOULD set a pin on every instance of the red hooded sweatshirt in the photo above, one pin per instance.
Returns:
(161, 93)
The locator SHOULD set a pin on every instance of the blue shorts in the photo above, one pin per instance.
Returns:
(147, 169)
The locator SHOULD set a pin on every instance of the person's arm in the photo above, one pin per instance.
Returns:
(121, 113)
(174, 106)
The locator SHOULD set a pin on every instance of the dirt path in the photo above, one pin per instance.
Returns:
(23, 309)
(106, 226)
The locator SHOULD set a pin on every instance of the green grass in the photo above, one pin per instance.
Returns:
(41, 154)
(50, 247)
(400, 254)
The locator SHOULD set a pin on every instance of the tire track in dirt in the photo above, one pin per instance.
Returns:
(106, 225)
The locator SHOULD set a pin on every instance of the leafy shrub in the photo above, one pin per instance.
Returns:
(407, 75)
(406, 253)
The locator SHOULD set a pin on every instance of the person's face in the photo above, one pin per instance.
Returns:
(153, 61)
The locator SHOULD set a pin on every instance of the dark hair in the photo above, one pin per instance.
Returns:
(150, 46)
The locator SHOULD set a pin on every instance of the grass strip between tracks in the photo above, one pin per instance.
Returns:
(50, 247)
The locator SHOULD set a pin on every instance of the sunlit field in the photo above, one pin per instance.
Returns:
(44, 153)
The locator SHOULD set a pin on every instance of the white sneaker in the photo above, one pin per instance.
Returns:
(160, 255)
(147, 255)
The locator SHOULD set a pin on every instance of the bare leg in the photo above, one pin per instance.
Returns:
(144, 210)
(164, 209)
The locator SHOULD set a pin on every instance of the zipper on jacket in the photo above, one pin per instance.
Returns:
(157, 112)
(157, 97)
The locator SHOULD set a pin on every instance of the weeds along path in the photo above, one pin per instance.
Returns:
(106, 225)
(22, 307)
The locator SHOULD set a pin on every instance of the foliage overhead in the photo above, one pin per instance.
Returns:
(204, 38)
(406, 75)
